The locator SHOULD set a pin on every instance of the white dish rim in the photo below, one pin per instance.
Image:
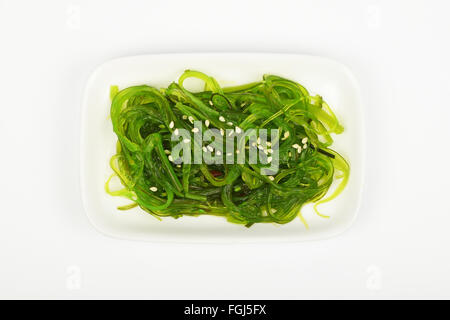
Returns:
(361, 182)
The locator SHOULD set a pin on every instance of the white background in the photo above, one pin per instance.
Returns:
(397, 248)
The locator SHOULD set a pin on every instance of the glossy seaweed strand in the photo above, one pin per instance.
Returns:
(145, 117)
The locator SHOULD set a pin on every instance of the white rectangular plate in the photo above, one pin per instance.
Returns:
(330, 79)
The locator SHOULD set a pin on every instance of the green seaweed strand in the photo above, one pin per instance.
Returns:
(142, 118)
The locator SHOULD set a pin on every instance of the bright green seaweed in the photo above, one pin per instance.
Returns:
(141, 118)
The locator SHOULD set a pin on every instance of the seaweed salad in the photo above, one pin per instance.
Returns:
(146, 120)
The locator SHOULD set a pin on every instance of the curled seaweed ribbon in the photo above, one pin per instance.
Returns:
(144, 119)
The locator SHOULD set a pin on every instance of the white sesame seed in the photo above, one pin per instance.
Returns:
(258, 140)
(269, 150)
(295, 146)
(238, 130)
(304, 140)
(260, 147)
(167, 151)
(171, 124)
(286, 135)
(271, 178)
(191, 119)
(221, 119)
(218, 152)
(237, 152)
(269, 144)
(175, 132)
(184, 117)
(204, 149)
(195, 130)
(299, 149)
(231, 133)
(207, 123)
(170, 158)
(269, 159)
(230, 123)
(178, 165)
(210, 148)
(210, 102)
(305, 146)
(290, 154)
(229, 154)
(187, 140)
(253, 144)
(222, 132)
(154, 189)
